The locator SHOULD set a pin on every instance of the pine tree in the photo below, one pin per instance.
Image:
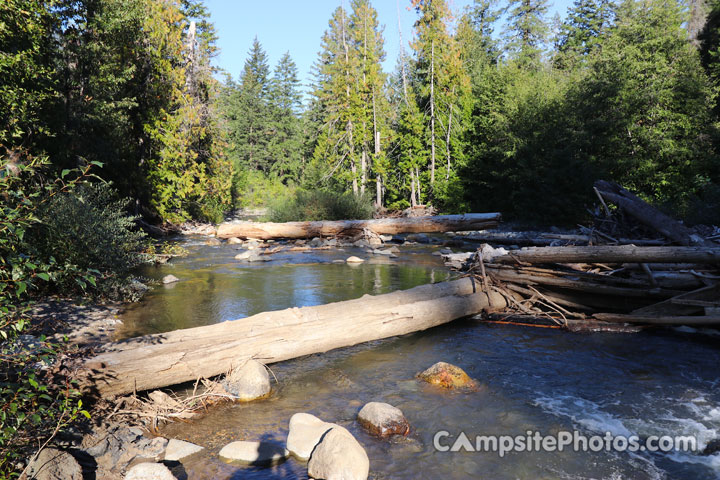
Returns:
(581, 32)
(285, 146)
(338, 103)
(526, 30)
(248, 113)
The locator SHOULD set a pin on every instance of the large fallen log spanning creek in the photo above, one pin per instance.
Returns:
(349, 228)
(180, 356)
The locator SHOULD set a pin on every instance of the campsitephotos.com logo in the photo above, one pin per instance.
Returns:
(534, 441)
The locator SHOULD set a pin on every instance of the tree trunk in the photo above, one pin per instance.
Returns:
(185, 355)
(612, 254)
(647, 214)
(388, 226)
(413, 202)
(432, 112)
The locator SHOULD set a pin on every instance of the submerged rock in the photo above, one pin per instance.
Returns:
(249, 381)
(244, 255)
(354, 259)
(418, 237)
(339, 456)
(447, 376)
(53, 464)
(382, 419)
(170, 279)
(305, 432)
(712, 447)
(149, 471)
(212, 241)
(179, 449)
(254, 453)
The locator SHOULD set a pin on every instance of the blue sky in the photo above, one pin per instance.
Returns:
(297, 26)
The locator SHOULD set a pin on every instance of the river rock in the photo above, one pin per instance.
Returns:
(305, 432)
(179, 449)
(418, 237)
(382, 419)
(244, 255)
(249, 381)
(354, 259)
(330, 242)
(234, 241)
(254, 453)
(712, 447)
(385, 251)
(149, 471)
(315, 242)
(386, 238)
(361, 243)
(53, 464)
(170, 279)
(447, 376)
(212, 241)
(118, 446)
(339, 456)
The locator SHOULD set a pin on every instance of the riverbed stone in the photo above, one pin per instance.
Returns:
(254, 453)
(53, 464)
(249, 381)
(213, 241)
(447, 375)
(383, 420)
(243, 255)
(305, 432)
(118, 446)
(149, 471)
(170, 279)
(418, 237)
(234, 241)
(354, 259)
(339, 456)
(712, 447)
(315, 242)
(179, 449)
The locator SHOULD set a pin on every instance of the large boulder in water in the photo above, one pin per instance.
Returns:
(339, 456)
(448, 376)
(305, 432)
(249, 381)
(382, 419)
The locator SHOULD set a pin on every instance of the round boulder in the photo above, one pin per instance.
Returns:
(383, 420)
(447, 376)
(254, 453)
(149, 471)
(234, 241)
(170, 279)
(249, 381)
(354, 259)
(339, 456)
(305, 432)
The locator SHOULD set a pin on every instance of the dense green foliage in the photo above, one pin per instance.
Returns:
(321, 205)
(44, 248)
(492, 111)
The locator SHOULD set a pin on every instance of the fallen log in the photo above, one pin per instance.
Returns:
(647, 214)
(171, 358)
(612, 254)
(349, 228)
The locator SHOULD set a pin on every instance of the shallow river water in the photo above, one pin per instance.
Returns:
(662, 382)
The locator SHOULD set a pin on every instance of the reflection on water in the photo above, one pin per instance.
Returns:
(663, 382)
(215, 287)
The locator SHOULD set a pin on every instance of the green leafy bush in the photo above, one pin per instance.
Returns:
(89, 229)
(36, 400)
(307, 205)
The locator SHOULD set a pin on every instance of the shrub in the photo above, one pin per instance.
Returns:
(36, 400)
(87, 228)
(252, 188)
(307, 205)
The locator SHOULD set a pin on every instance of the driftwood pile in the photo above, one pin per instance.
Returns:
(607, 282)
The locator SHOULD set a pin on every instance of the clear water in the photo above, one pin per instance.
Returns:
(663, 382)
